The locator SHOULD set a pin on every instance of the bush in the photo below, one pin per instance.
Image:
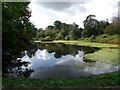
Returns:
(114, 41)
(59, 37)
(113, 28)
(92, 38)
(47, 38)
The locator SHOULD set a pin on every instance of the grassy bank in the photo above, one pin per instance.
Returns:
(103, 38)
(103, 80)
(83, 43)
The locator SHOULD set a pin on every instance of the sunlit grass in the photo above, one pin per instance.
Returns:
(92, 44)
(82, 43)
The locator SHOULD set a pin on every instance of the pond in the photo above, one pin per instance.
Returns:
(58, 60)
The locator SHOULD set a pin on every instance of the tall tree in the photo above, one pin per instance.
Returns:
(57, 25)
(16, 31)
(91, 26)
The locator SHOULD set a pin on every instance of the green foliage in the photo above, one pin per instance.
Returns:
(85, 33)
(74, 32)
(91, 26)
(57, 25)
(59, 37)
(48, 38)
(17, 31)
(103, 38)
(60, 30)
(40, 34)
(50, 27)
(102, 25)
(113, 28)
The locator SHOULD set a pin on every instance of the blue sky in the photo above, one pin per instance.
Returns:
(45, 13)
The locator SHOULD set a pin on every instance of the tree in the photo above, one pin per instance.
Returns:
(48, 38)
(74, 32)
(50, 27)
(102, 25)
(91, 26)
(64, 29)
(40, 34)
(113, 28)
(17, 31)
(57, 25)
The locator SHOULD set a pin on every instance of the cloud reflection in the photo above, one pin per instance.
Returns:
(43, 58)
(46, 65)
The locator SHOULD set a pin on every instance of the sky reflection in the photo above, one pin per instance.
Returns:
(45, 65)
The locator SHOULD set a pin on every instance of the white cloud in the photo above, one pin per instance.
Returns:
(39, 16)
(102, 9)
(43, 16)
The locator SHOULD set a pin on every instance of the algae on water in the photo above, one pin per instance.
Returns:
(105, 55)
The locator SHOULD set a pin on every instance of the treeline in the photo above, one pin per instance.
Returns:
(92, 28)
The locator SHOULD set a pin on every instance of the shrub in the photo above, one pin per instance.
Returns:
(47, 38)
(59, 37)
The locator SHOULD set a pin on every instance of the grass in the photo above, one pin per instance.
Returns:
(105, 38)
(100, 41)
(102, 80)
(91, 44)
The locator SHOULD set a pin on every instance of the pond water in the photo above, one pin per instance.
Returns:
(57, 60)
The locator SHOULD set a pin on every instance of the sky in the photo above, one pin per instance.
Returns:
(70, 11)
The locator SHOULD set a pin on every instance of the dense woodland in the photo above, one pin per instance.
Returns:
(92, 28)
(18, 32)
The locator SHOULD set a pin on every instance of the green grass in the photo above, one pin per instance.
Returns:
(91, 44)
(103, 38)
(103, 80)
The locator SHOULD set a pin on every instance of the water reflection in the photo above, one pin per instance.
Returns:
(42, 58)
(46, 65)
(62, 49)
